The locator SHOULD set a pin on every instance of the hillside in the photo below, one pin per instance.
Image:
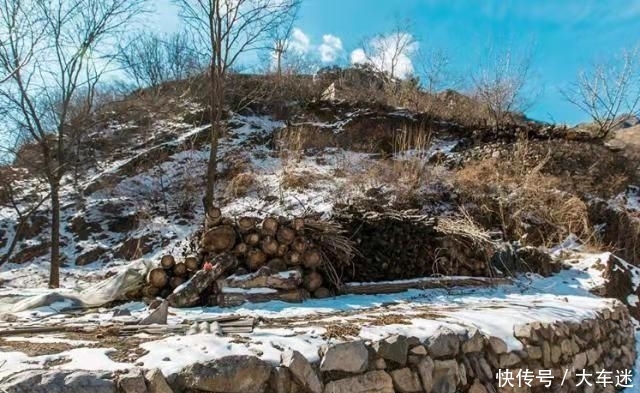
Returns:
(543, 220)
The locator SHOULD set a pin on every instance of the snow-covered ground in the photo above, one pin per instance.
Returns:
(303, 326)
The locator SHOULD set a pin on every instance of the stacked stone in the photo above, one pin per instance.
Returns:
(447, 362)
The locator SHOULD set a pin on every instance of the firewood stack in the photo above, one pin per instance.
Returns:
(277, 259)
(398, 245)
(312, 247)
(169, 275)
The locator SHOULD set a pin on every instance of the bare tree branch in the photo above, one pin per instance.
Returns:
(608, 91)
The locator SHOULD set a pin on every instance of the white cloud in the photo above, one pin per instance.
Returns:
(358, 57)
(300, 42)
(330, 48)
(391, 53)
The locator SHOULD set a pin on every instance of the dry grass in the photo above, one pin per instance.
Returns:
(411, 157)
(525, 203)
(290, 145)
(241, 185)
(302, 180)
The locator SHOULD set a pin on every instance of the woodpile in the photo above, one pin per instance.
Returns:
(396, 245)
(274, 258)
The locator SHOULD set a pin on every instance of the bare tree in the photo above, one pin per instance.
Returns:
(432, 68)
(501, 84)
(391, 52)
(280, 35)
(151, 58)
(608, 91)
(57, 45)
(228, 29)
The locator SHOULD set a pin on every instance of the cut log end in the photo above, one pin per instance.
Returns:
(252, 239)
(313, 281)
(312, 259)
(256, 259)
(180, 269)
(191, 263)
(293, 258)
(219, 239)
(241, 249)
(285, 235)
(167, 262)
(246, 224)
(158, 277)
(269, 245)
(270, 226)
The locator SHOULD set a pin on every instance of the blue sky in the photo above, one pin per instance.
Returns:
(565, 35)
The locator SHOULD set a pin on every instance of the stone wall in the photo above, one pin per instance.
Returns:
(446, 362)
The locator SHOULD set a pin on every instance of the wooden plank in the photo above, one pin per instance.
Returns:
(423, 283)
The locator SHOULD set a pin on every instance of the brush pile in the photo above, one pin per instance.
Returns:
(273, 258)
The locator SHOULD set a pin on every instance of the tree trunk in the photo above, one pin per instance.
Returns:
(14, 242)
(279, 62)
(264, 278)
(54, 273)
(217, 106)
(190, 293)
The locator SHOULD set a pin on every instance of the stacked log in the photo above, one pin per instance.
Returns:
(164, 279)
(277, 243)
(276, 258)
(397, 245)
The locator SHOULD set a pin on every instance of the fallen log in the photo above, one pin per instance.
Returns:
(232, 297)
(373, 288)
(264, 278)
(188, 294)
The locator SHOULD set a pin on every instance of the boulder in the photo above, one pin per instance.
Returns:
(350, 357)
(445, 343)
(497, 345)
(371, 382)
(133, 382)
(230, 374)
(156, 383)
(280, 380)
(425, 370)
(445, 376)
(393, 348)
(301, 370)
(475, 343)
(406, 381)
(57, 381)
(477, 387)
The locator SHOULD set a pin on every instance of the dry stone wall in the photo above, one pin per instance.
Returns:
(551, 358)
(447, 362)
